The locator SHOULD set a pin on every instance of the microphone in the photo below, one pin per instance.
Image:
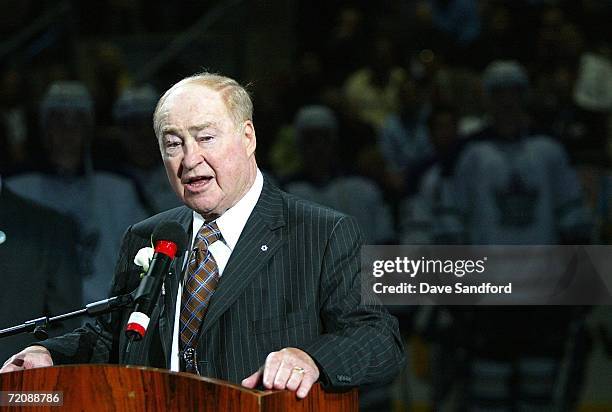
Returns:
(170, 240)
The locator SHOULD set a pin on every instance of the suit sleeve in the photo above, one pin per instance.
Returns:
(361, 343)
(97, 342)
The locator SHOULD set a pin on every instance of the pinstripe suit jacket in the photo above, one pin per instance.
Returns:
(302, 291)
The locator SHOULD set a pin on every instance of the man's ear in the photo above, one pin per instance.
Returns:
(250, 141)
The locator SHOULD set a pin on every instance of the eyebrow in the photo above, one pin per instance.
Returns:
(169, 129)
(201, 126)
(196, 128)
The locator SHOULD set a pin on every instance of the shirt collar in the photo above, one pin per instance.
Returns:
(234, 219)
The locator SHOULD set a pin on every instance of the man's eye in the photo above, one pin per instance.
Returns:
(205, 138)
(172, 144)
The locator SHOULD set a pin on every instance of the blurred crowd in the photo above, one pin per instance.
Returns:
(430, 121)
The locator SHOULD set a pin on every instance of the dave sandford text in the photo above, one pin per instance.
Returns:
(438, 270)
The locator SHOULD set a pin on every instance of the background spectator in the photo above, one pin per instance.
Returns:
(132, 113)
(103, 204)
(37, 246)
(402, 78)
(316, 135)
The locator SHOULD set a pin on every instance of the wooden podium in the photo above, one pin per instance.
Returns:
(133, 388)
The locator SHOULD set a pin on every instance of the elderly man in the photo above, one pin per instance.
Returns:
(287, 306)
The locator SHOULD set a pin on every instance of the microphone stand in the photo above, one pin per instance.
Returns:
(39, 326)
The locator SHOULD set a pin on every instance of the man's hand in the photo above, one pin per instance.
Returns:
(29, 358)
(289, 368)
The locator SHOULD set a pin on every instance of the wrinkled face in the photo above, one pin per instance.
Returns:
(210, 161)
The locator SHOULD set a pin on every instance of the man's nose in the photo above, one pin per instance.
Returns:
(192, 156)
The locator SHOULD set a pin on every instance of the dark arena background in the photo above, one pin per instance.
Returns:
(430, 121)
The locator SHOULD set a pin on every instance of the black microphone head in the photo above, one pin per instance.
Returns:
(172, 232)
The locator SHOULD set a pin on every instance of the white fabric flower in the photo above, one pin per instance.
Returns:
(143, 258)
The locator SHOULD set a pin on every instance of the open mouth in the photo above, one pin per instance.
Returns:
(197, 183)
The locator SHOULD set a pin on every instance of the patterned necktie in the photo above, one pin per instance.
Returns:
(202, 279)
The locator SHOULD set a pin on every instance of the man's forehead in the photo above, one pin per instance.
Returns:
(189, 99)
(192, 114)
(191, 92)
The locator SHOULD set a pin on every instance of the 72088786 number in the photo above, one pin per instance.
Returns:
(43, 398)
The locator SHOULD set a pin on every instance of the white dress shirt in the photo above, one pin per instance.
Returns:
(230, 224)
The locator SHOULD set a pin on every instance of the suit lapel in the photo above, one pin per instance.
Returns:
(258, 242)
(171, 282)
